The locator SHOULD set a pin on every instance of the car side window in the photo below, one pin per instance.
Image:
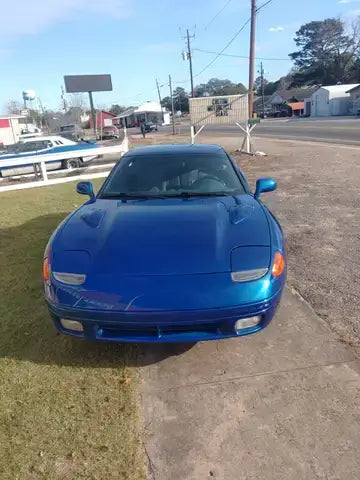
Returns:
(29, 147)
(42, 145)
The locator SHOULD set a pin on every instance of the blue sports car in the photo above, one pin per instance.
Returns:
(173, 248)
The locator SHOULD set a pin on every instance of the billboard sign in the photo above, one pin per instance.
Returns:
(87, 83)
(219, 110)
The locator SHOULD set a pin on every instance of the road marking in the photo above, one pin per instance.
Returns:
(313, 126)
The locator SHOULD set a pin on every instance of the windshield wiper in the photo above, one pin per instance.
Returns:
(125, 196)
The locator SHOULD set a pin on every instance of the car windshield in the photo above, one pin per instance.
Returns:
(28, 147)
(67, 128)
(173, 175)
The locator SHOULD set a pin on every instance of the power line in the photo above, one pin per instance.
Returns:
(217, 14)
(263, 5)
(233, 38)
(223, 50)
(239, 56)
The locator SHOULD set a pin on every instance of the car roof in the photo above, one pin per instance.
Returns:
(176, 150)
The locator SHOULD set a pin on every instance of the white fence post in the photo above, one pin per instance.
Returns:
(43, 171)
(192, 133)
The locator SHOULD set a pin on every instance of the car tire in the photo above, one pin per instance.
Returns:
(71, 163)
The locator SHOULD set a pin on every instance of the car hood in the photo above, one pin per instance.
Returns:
(154, 237)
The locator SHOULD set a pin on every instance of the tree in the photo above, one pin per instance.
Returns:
(327, 54)
(77, 100)
(216, 86)
(166, 103)
(14, 107)
(34, 116)
(257, 85)
(116, 109)
(181, 100)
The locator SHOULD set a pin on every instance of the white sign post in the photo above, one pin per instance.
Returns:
(221, 110)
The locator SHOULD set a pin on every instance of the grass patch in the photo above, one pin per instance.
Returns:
(67, 409)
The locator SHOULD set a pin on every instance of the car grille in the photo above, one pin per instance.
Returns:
(126, 330)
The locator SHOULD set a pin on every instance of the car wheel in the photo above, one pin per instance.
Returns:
(71, 163)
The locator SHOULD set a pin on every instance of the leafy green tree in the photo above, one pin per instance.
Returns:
(216, 86)
(257, 85)
(166, 103)
(181, 100)
(327, 52)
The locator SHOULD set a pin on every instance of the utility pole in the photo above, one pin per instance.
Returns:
(158, 90)
(262, 89)
(189, 57)
(63, 98)
(93, 113)
(172, 105)
(252, 58)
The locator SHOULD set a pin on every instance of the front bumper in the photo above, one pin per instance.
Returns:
(171, 326)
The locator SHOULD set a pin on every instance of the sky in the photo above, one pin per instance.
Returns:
(137, 42)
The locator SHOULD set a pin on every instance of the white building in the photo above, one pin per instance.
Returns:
(355, 99)
(332, 100)
(10, 128)
(148, 112)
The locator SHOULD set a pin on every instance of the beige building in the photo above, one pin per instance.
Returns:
(10, 128)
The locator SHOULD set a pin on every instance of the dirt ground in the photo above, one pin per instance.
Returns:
(318, 205)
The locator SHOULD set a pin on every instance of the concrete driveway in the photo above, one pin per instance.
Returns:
(283, 404)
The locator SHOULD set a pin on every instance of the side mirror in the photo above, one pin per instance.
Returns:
(264, 185)
(86, 188)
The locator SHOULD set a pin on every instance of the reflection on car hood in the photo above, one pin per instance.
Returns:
(172, 236)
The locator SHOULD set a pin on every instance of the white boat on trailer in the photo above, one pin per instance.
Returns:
(74, 154)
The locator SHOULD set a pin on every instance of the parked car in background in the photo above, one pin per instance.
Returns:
(174, 248)
(281, 113)
(30, 132)
(72, 132)
(151, 127)
(25, 136)
(29, 129)
(44, 145)
(109, 132)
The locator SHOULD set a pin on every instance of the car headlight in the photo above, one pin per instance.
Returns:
(248, 275)
(70, 278)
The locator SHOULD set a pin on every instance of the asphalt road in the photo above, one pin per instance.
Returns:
(344, 131)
